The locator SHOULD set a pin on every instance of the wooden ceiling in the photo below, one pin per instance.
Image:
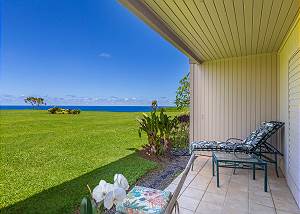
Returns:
(213, 29)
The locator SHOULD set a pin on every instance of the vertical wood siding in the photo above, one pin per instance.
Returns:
(293, 126)
(289, 109)
(232, 96)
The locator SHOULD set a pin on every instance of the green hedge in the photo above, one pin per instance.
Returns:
(56, 110)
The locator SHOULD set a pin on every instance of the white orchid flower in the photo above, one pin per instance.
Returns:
(100, 191)
(121, 182)
(115, 196)
(98, 194)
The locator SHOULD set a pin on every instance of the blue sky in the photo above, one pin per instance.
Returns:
(91, 52)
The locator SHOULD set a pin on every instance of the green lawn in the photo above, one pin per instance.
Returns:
(47, 160)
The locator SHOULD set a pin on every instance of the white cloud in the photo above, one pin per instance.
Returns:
(105, 55)
(6, 99)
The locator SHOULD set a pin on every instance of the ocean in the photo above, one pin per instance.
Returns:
(86, 108)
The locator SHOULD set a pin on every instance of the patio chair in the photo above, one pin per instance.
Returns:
(143, 200)
(255, 143)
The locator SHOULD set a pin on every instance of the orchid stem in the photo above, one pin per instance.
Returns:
(89, 189)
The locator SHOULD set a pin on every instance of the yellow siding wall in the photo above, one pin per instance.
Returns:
(289, 47)
(230, 97)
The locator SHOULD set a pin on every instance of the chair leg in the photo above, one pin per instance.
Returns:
(276, 166)
(234, 168)
(213, 166)
(266, 179)
(253, 171)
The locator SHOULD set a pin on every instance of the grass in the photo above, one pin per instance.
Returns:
(47, 160)
(174, 109)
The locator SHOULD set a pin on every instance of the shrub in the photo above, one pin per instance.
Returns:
(56, 110)
(184, 118)
(158, 129)
(76, 111)
(180, 135)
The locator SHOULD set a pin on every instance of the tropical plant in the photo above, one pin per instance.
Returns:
(183, 93)
(158, 129)
(35, 101)
(166, 125)
(149, 125)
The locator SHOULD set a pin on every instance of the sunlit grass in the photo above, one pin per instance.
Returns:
(46, 160)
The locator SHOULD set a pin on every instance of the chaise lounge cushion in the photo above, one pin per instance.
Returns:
(216, 146)
(204, 145)
(264, 131)
(144, 200)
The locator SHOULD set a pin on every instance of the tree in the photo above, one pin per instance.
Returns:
(35, 101)
(154, 105)
(183, 93)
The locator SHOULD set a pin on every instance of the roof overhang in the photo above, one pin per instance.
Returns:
(213, 29)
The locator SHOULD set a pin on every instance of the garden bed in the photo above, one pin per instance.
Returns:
(170, 167)
(160, 178)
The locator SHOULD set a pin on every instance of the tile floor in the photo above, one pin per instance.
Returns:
(238, 193)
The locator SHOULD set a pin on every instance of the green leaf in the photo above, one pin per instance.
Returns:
(87, 207)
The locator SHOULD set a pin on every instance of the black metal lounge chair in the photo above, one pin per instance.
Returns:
(255, 143)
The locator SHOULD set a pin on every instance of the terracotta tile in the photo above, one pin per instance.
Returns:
(242, 180)
(217, 199)
(276, 180)
(260, 193)
(241, 172)
(258, 182)
(238, 197)
(193, 193)
(234, 207)
(266, 201)
(208, 208)
(281, 187)
(200, 182)
(287, 212)
(183, 211)
(188, 203)
(289, 206)
(236, 187)
(239, 193)
(260, 209)
(258, 188)
(225, 171)
(194, 171)
(212, 187)
(206, 173)
(283, 195)
(223, 179)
